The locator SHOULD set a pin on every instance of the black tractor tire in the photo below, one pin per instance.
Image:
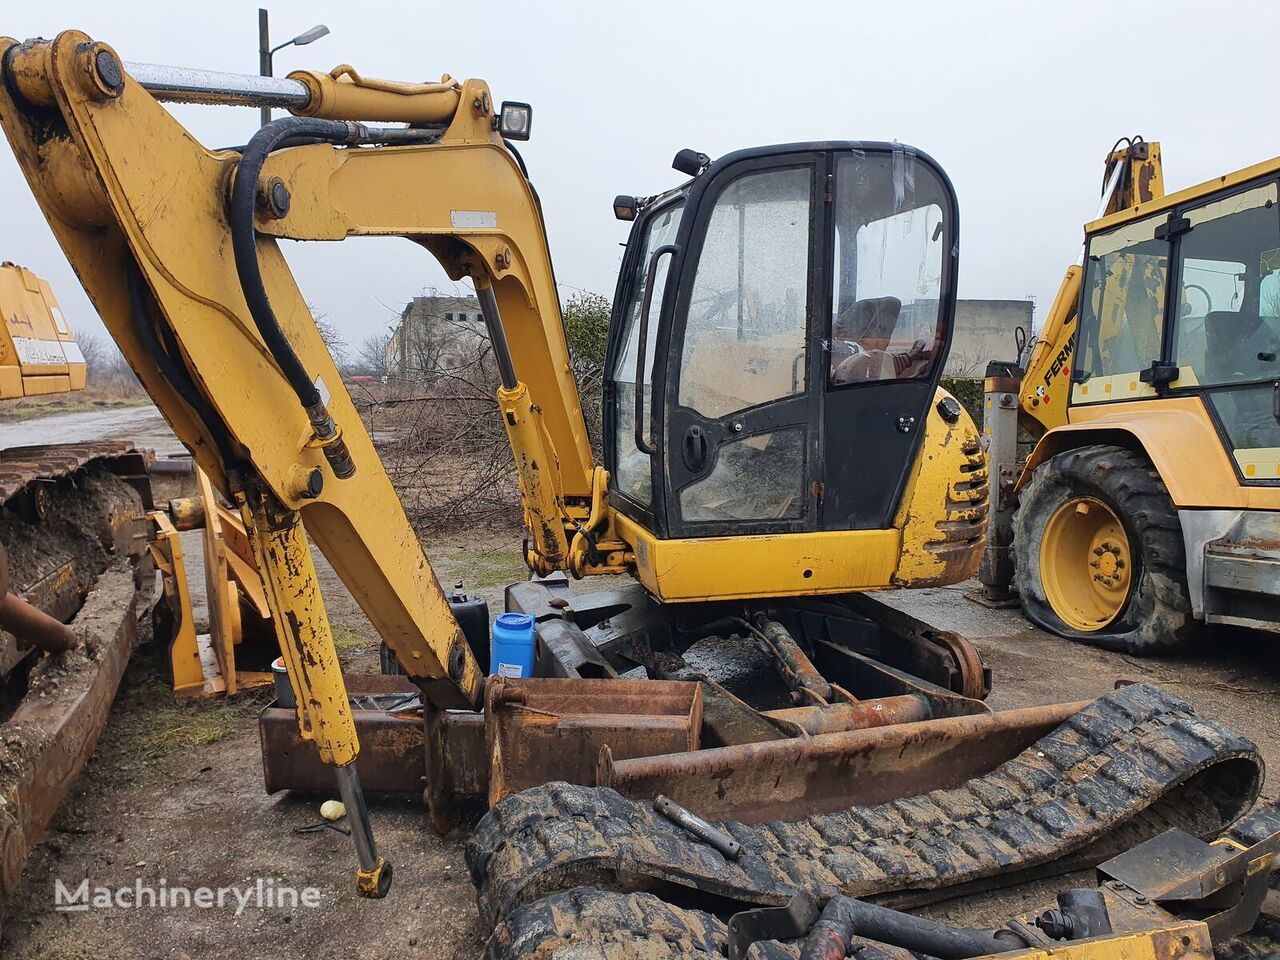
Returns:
(1156, 617)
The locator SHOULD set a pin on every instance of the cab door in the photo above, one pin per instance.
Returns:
(740, 437)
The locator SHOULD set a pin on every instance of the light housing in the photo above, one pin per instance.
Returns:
(625, 207)
(690, 162)
(311, 36)
(515, 120)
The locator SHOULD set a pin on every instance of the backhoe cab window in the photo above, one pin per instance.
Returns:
(1227, 326)
(889, 239)
(1122, 312)
(1229, 291)
(633, 476)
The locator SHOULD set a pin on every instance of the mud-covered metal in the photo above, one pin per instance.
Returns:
(1127, 767)
(49, 738)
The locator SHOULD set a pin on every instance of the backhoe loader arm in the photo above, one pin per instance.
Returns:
(175, 245)
(1133, 174)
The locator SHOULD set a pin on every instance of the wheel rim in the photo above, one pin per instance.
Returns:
(1086, 564)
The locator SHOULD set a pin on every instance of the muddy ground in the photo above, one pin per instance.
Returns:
(175, 792)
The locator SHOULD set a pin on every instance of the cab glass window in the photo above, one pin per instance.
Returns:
(744, 339)
(1228, 308)
(755, 478)
(890, 240)
(1121, 310)
(632, 475)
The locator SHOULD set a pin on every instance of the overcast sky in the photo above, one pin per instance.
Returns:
(1018, 102)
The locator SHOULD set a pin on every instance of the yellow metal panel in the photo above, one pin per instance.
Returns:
(1117, 386)
(1047, 381)
(943, 515)
(1188, 940)
(1181, 441)
(784, 565)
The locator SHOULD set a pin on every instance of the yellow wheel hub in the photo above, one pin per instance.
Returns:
(1086, 564)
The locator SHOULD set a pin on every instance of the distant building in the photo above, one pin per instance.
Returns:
(984, 330)
(435, 333)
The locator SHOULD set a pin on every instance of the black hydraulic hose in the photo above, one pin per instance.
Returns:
(844, 918)
(244, 246)
(174, 372)
(244, 241)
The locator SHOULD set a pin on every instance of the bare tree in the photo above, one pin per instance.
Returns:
(370, 357)
(436, 417)
(329, 334)
(106, 368)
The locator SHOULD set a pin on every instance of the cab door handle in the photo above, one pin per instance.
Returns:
(694, 449)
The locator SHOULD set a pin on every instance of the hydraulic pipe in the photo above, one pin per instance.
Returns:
(244, 246)
(31, 626)
(187, 85)
(843, 919)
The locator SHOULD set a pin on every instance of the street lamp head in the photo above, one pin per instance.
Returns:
(312, 35)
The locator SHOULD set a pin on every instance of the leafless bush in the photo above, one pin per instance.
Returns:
(434, 415)
(106, 370)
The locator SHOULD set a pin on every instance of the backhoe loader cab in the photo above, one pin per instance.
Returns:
(1151, 503)
(779, 325)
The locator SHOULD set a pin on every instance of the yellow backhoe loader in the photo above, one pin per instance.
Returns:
(776, 446)
(1150, 505)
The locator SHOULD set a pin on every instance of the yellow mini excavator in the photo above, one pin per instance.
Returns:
(1150, 505)
(775, 446)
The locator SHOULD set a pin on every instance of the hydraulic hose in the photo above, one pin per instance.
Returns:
(244, 246)
(843, 919)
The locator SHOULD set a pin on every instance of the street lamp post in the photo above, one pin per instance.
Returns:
(266, 51)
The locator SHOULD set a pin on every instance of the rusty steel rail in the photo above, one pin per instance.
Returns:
(786, 779)
(58, 728)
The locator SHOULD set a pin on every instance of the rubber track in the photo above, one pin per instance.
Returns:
(1126, 768)
(586, 921)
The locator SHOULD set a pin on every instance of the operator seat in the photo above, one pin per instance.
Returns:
(861, 336)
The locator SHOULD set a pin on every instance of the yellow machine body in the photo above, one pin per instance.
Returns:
(1177, 433)
(38, 350)
(147, 217)
(1154, 377)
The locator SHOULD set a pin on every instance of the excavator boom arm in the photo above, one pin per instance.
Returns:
(177, 248)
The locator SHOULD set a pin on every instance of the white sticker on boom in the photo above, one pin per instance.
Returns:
(474, 219)
(39, 353)
(323, 390)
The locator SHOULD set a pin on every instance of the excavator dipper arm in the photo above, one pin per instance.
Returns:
(177, 249)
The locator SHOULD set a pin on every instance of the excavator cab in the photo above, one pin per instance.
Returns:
(780, 324)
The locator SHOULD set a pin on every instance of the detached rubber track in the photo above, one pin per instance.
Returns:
(1126, 768)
